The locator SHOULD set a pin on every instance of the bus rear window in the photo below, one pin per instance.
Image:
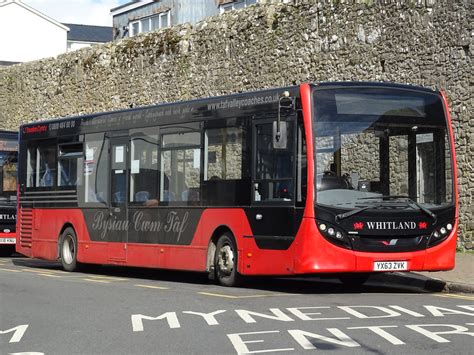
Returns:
(8, 171)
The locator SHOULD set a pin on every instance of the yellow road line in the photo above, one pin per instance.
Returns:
(95, 280)
(249, 296)
(108, 278)
(10, 270)
(150, 286)
(464, 297)
(216, 295)
(44, 271)
(48, 275)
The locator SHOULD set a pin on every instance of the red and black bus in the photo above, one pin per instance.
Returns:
(346, 178)
(8, 190)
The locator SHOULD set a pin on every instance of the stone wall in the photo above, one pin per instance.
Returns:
(418, 42)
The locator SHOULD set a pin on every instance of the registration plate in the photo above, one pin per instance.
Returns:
(7, 240)
(390, 265)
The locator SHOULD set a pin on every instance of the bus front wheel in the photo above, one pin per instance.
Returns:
(68, 249)
(225, 262)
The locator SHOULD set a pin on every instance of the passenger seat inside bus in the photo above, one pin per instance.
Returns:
(142, 196)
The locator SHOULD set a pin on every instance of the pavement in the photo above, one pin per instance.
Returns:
(458, 280)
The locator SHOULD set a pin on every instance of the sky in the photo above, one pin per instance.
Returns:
(83, 12)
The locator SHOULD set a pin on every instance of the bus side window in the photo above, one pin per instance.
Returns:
(181, 167)
(48, 163)
(302, 170)
(70, 161)
(41, 165)
(225, 182)
(31, 171)
(96, 169)
(144, 172)
(223, 153)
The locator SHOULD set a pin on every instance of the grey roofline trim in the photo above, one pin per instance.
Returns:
(132, 5)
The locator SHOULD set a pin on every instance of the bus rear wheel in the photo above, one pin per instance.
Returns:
(68, 250)
(225, 262)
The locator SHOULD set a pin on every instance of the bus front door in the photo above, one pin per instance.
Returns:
(272, 216)
(117, 239)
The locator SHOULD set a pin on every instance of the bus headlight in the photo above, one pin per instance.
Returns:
(440, 234)
(334, 235)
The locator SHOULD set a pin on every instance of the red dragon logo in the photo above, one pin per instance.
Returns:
(358, 226)
(422, 225)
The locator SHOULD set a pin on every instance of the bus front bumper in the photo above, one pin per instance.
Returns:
(314, 254)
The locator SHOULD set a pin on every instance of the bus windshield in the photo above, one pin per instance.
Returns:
(374, 143)
(8, 170)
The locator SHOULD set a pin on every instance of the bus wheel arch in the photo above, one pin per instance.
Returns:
(223, 257)
(68, 248)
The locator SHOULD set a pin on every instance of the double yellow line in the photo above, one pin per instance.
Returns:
(451, 295)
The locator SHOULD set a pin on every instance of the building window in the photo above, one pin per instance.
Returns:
(236, 5)
(150, 23)
(135, 28)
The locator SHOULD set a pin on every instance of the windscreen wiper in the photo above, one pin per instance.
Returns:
(424, 209)
(345, 215)
(413, 204)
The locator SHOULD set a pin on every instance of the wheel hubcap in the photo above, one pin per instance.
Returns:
(226, 260)
(68, 249)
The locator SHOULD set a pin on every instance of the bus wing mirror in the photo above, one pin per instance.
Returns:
(280, 136)
(279, 132)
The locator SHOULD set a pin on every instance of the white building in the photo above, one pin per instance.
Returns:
(26, 34)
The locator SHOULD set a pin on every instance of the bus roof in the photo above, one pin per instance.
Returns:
(294, 90)
(377, 84)
(205, 100)
(8, 133)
